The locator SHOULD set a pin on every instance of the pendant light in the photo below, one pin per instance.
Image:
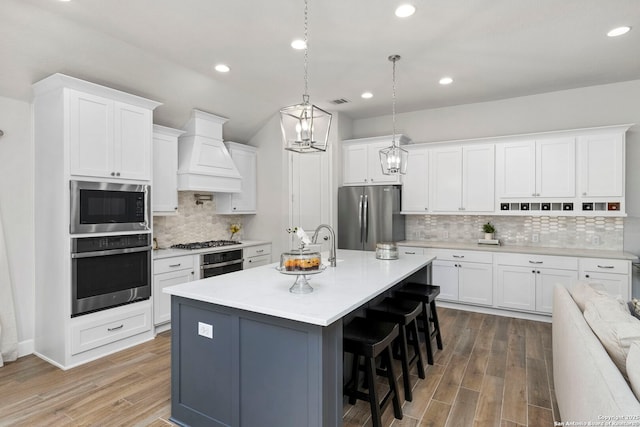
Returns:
(394, 159)
(305, 127)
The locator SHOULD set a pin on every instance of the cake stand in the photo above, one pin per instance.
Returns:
(301, 285)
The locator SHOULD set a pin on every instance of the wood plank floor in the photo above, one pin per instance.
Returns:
(493, 371)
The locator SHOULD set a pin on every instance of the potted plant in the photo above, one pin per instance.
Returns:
(488, 229)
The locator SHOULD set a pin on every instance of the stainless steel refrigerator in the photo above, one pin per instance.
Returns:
(369, 215)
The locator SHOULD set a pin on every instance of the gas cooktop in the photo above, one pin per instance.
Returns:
(203, 245)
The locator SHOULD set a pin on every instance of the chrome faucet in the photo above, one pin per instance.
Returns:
(332, 250)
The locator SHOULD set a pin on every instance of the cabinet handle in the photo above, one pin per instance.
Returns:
(175, 265)
(116, 328)
(410, 253)
(535, 262)
(458, 256)
(605, 266)
(113, 174)
(538, 271)
(584, 194)
(117, 173)
(260, 251)
(586, 275)
(533, 271)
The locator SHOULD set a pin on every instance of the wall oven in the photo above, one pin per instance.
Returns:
(108, 271)
(108, 207)
(217, 263)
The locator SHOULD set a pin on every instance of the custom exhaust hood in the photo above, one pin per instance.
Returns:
(204, 163)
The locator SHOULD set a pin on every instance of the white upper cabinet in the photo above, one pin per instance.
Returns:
(601, 163)
(164, 188)
(361, 161)
(415, 184)
(245, 157)
(107, 138)
(536, 168)
(462, 178)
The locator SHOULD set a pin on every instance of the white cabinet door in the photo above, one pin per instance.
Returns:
(415, 184)
(516, 169)
(478, 178)
(162, 301)
(446, 179)
(546, 280)
(243, 202)
(601, 160)
(90, 135)
(475, 283)
(108, 138)
(556, 167)
(516, 287)
(164, 188)
(615, 284)
(132, 141)
(355, 164)
(445, 275)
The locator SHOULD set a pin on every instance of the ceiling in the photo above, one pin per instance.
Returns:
(165, 50)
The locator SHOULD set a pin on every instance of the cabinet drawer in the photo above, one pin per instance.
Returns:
(105, 327)
(256, 261)
(604, 265)
(252, 251)
(454, 255)
(546, 261)
(410, 250)
(165, 265)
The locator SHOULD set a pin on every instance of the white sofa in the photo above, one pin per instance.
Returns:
(588, 385)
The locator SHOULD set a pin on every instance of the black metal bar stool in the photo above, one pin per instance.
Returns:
(426, 294)
(404, 313)
(371, 338)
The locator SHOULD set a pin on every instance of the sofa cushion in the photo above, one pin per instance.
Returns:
(634, 307)
(633, 368)
(614, 326)
(582, 292)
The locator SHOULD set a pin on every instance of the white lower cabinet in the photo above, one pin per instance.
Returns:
(526, 282)
(108, 326)
(255, 256)
(169, 272)
(463, 276)
(613, 274)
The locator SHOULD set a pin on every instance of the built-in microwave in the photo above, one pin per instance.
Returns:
(98, 207)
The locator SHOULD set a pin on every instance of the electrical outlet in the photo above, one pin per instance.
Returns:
(535, 237)
(205, 330)
(445, 234)
(595, 239)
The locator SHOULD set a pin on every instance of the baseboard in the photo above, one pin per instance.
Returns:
(495, 311)
(25, 348)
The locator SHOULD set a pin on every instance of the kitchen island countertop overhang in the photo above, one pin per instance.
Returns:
(338, 291)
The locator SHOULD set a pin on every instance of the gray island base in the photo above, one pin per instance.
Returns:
(234, 362)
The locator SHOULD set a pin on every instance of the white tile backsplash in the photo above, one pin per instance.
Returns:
(194, 223)
(538, 231)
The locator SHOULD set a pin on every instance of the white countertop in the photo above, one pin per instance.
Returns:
(358, 278)
(168, 253)
(537, 250)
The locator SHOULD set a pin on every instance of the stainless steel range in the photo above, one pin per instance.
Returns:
(218, 262)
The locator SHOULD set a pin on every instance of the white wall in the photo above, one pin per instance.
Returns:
(16, 212)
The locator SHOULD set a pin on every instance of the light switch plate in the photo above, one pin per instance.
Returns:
(205, 330)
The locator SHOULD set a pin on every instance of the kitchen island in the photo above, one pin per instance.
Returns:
(247, 352)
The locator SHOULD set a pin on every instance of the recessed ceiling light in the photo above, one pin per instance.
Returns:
(367, 95)
(446, 81)
(298, 44)
(64, 1)
(405, 10)
(618, 31)
(222, 68)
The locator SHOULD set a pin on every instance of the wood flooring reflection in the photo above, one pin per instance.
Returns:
(493, 371)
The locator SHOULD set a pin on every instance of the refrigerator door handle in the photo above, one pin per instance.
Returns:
(360, 212)
(366, 218)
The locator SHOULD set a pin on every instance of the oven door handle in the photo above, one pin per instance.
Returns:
(221, 264)
(110, 252)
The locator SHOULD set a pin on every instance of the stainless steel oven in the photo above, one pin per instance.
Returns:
(108, 207)
(217, 263)
(108, 271)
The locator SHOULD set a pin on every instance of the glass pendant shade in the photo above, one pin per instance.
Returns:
(394, 160)
(305, 127)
